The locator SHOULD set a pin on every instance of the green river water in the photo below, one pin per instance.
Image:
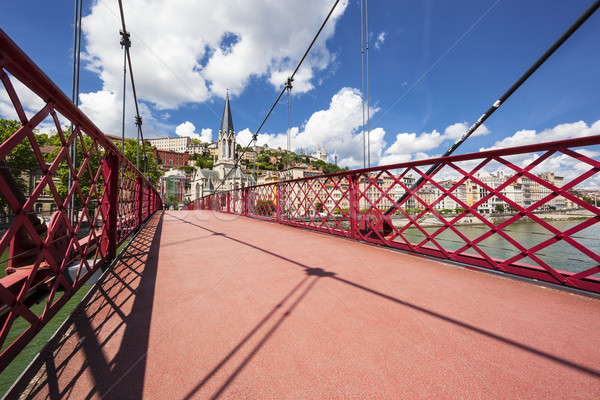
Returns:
(560, 255)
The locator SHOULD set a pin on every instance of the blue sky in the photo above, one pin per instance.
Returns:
(186, 55)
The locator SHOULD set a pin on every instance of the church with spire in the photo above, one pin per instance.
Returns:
(226, 173)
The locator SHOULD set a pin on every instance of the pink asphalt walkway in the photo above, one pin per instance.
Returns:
(206, 306)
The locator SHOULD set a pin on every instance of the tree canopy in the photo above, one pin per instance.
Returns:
(23, 164)
(21, 161)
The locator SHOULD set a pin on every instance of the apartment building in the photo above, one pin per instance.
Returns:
(178, 144)
(171, 158)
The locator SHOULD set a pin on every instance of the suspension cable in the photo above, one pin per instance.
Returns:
(298, 66)
(288, 86)
(75, 96)
(290, 79)
(534, 67)
(125, 43)
(362, 78)
(138, 117)
(427, 72)
(368, 94)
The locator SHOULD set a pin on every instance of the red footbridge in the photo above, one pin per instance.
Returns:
(478, 280)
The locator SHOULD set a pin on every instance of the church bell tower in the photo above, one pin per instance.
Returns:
(227, 135)
(226, 142)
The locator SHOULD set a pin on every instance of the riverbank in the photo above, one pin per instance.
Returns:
(496, 218)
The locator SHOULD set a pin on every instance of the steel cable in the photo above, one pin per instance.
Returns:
(289, 80)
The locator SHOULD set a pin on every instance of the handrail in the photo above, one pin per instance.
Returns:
(48, 250)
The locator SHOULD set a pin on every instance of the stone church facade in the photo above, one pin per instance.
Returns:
(226, 173)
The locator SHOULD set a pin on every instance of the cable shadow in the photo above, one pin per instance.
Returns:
(483, 332)
(135, 274)
(317, 273)
(178, 242)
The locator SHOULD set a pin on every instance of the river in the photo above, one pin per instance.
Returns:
(560, 255)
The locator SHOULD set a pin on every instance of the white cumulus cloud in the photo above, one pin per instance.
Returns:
(409, 145)
(30, 102)
(188, 129)
(177, 60)
(380, 40)
(559, 132)
(338, 129)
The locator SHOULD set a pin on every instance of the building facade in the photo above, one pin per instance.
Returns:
(226, 173)
(178, 144)
(171, 158)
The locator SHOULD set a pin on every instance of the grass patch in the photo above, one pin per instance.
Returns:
(18, 365)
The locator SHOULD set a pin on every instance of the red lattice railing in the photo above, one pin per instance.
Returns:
(508, 210)
(61, 218)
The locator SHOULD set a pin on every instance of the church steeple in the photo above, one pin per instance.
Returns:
(227, 134)
(227, 122)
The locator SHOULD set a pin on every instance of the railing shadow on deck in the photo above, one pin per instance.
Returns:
(136, 275)
(129, 363)
(319, 273)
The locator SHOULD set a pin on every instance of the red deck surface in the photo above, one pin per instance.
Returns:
(206, 306)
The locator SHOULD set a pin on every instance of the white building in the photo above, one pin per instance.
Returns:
(226, 174)
(321, 154)
(493, 181)
(178, 144)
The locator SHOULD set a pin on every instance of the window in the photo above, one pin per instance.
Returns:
(38, 207)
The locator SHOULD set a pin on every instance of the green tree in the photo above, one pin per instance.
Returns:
(295, 158)
(263, 158)
(589, 200)
(265, 207)
(319, 206)
(171, 201)
(152, 172)
(204, 163)
(328, 168)
(499, 208)
(21, 161)
(62, 172)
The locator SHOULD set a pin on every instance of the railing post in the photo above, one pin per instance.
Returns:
(278, 198)
(228, 202)
(110, 206)
(245, 201)
(149, 204)
(353, 204)
(139, 192)
(152, 199)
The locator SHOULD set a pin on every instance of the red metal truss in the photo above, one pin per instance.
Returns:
(108, 200)
(353, 204)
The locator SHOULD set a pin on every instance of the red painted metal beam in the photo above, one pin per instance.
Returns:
(116, 186)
